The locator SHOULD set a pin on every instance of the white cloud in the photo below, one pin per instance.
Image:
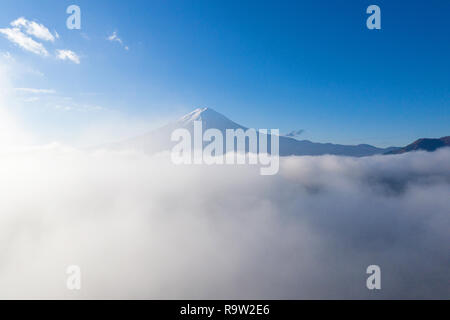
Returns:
(68, 55)
(31, 99)
(20, 34)
(36, 91)
(34, 29)
(140, 227)
(115, 38)
(78, 107)
(19, 38)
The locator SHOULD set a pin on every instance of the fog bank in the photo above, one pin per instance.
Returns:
(140, 227)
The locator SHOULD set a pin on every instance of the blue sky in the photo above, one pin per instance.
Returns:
(310, 65)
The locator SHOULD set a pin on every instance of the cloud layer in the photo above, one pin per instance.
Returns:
(140, 227)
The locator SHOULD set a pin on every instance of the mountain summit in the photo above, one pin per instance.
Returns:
(159, 140)
(424, 144)
(209, 118)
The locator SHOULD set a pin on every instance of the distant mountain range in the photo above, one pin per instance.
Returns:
(424, 144)
(159, 140)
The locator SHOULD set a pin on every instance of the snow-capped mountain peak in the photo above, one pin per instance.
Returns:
(209, 118)
(160, 139)
(195, 115)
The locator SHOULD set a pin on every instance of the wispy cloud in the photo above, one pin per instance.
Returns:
(31, 95)
(31, 99)
(36, 91)
(21, 32)
(34, 29)
(50, 99)
(295, 133)
(115, 38)
(78, 107)
(68, 55)
(25, 42)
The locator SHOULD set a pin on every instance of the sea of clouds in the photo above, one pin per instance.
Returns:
(141, 227)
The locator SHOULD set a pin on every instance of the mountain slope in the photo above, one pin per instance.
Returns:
(159, 140)
(425, 144)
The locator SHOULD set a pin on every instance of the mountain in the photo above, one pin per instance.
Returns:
(159, 140)
(425, 144)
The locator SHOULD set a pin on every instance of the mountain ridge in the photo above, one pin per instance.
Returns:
(159, 140)
(423, 144)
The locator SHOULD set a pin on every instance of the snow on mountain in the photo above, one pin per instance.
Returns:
(159, 140)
